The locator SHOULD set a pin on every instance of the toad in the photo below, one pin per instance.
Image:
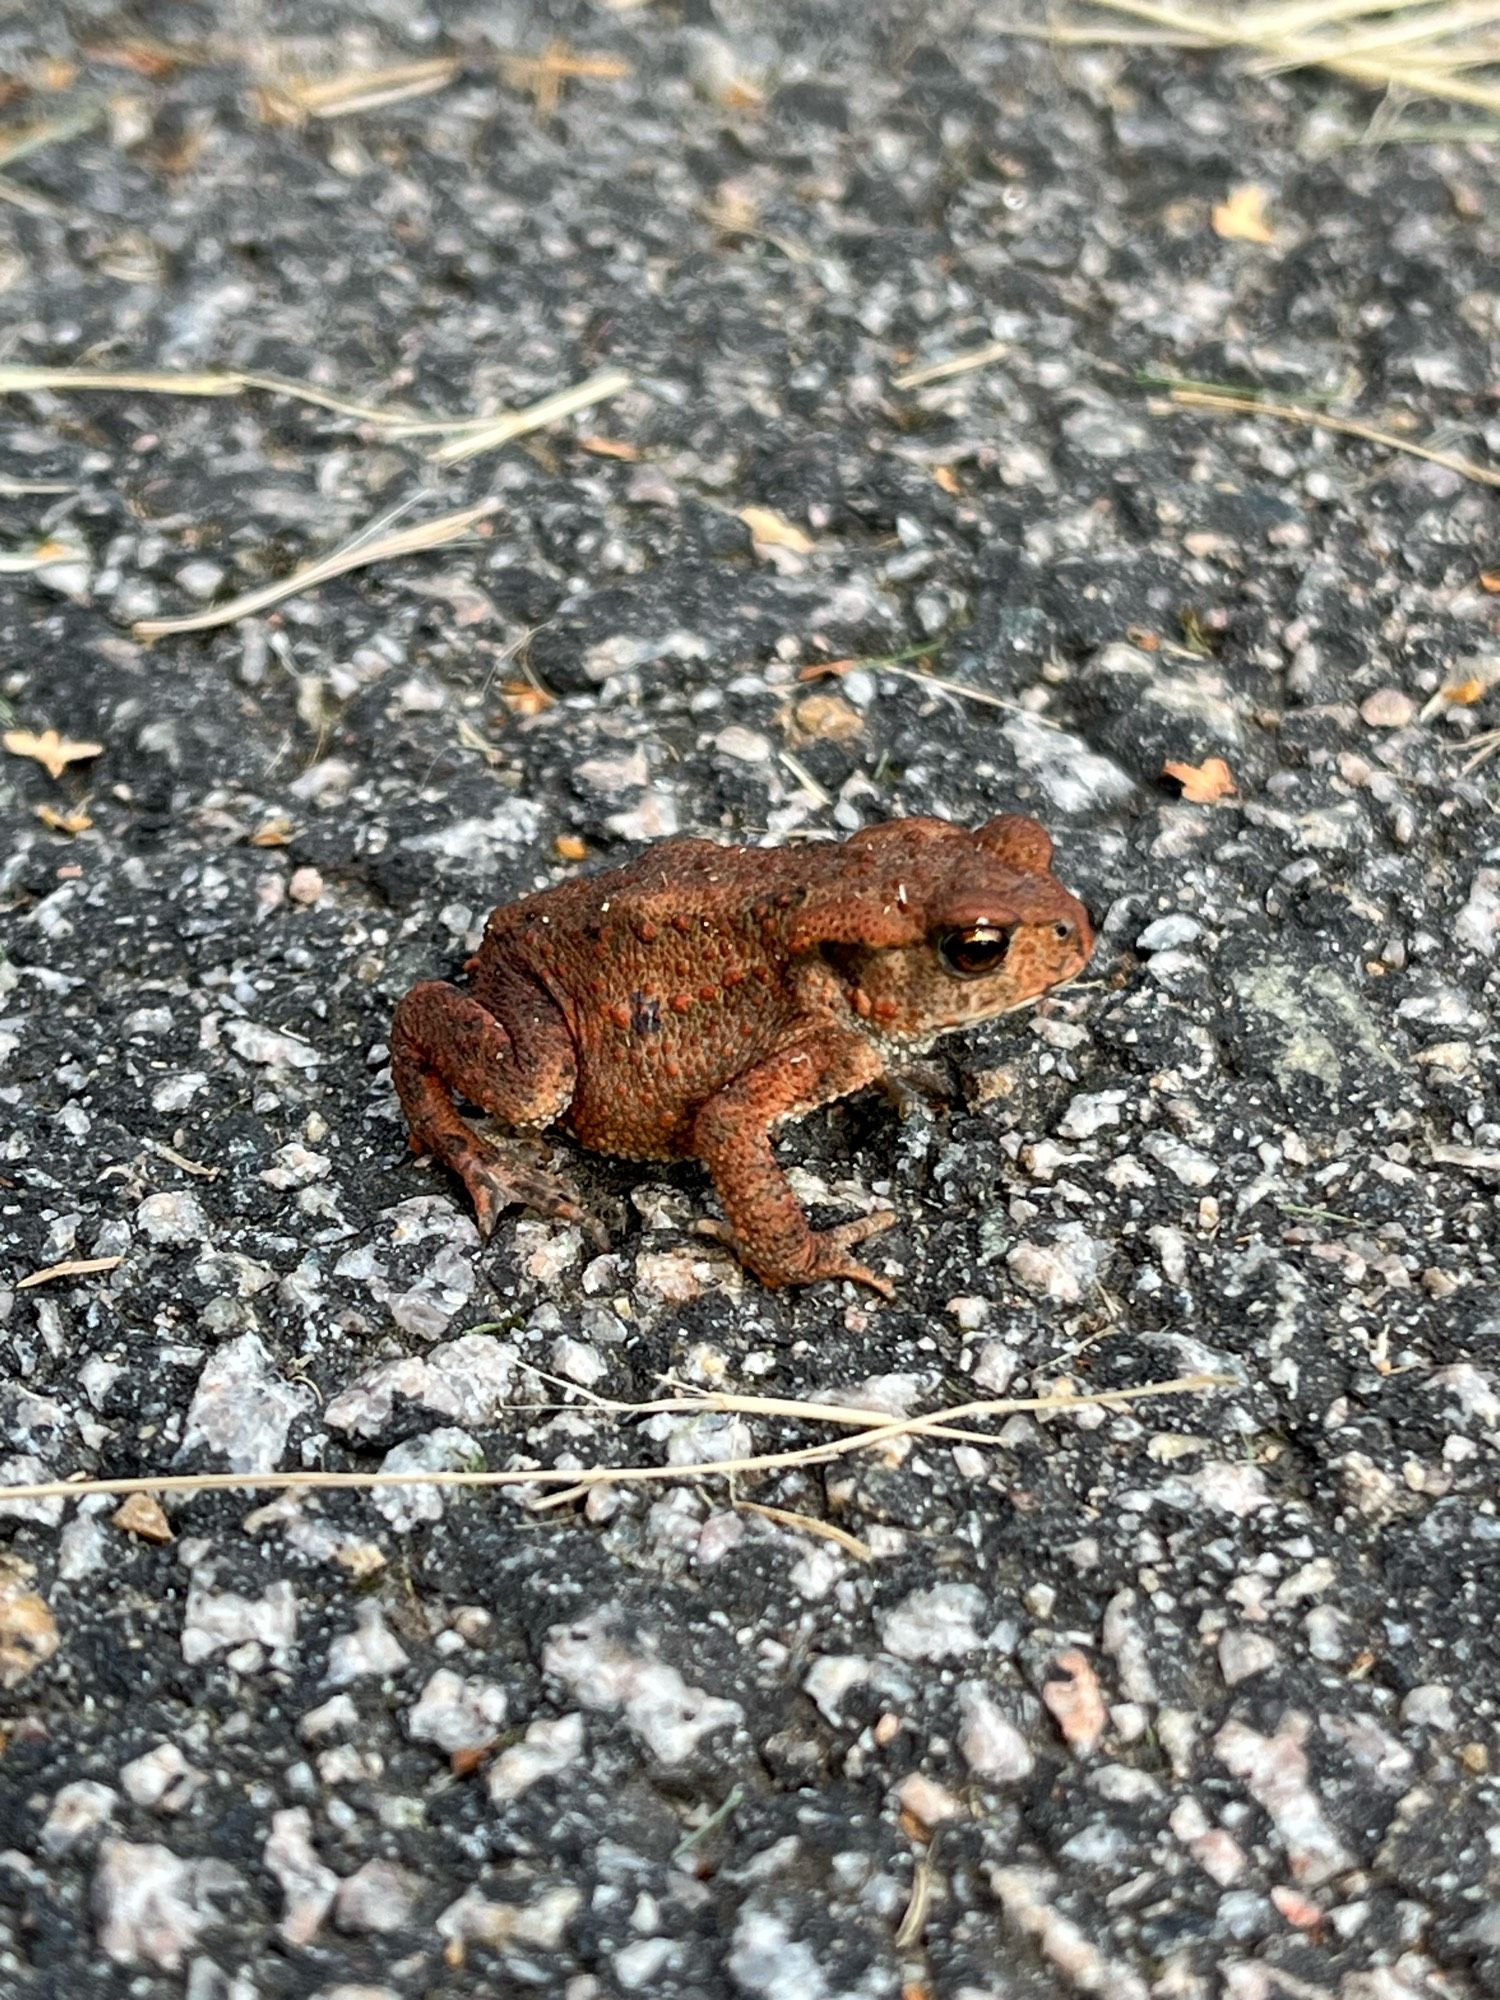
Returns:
(684, 1005)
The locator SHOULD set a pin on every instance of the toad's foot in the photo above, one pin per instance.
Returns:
(498, 1180)
(820, 1256)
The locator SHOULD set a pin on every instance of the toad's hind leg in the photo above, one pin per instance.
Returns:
(517, 1063)
(732, 1136)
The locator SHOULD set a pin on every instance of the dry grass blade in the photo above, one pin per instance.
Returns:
(934, 1424)
(469, 434)
(365, 90)
(1077, 35)
(45, 555)
(19, 378)
(979, 695)
(809, 1524)
(19, 140)
(924, 1876)
(956, 364)
(1295, 413)
(805, 779)
(1418, 26)
(1424, 55)
(545, 75)
(1484, 748)
(1411, 132)
(937, 1423)
(356, 554)
(487, 433)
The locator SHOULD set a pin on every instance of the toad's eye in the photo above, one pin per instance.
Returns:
(977, 950)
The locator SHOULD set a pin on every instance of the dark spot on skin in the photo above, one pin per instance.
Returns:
(645, 1013)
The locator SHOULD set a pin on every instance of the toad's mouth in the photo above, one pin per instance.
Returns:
(920, 1040)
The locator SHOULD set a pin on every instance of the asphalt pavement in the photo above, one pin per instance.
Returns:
(1194, 1696)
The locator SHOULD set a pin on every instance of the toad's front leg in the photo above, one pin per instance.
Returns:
(732, 1137)
(514, 1059)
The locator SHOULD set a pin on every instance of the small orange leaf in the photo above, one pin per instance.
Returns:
(272, 833)
(826, 670)
(1203, 784)
(568, 847)
(525, 698)
(770, 531)
(947, 478)
(466, 1761)
(739, 94)
(1464, 694)
(76, 821)
(1242, 217)
(1489, 579)
(53, 752)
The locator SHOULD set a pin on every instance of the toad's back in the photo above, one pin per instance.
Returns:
(673, 977)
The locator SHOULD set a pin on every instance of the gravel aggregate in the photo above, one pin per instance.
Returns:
(1195, 1697)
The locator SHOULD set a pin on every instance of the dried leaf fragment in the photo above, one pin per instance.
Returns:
(1465, 694)
(1242, 217)
(526, 698)
(274, 832)
(53, 752)
(138, 1514)
(769, 530)
(545, 75)
(603, 447)
(76, 821)
(734, 211)
(28, 1631)
(568, 847)
(1203, 784)
(740, 94)
(465, 1762)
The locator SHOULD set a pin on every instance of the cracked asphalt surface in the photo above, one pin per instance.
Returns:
(1194, 1697)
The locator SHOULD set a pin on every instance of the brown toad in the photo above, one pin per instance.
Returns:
(684, 1005)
